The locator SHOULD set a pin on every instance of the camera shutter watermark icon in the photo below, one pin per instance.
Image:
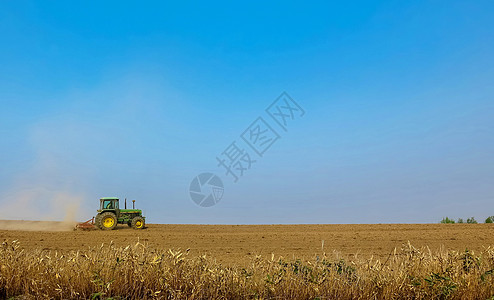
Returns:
(206, 189)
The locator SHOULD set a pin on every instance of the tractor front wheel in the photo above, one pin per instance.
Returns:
(138, 223)
(107, 221)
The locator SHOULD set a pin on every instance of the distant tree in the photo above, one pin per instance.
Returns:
(490, 219)
(460, 221)
(447, 220)
(471, 220)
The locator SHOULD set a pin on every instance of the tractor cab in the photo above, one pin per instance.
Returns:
(109, 203)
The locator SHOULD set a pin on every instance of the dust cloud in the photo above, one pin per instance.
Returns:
(36, 225)
(57, 172)
(46, 193)
(40, 210)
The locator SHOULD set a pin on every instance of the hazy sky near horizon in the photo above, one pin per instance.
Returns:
(127, 99)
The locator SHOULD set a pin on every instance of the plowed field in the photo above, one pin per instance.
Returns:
(238, 243)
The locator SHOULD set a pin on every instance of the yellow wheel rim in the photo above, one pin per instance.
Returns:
(139, 224)
(108, 222)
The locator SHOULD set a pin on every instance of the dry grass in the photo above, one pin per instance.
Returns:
(135, 272)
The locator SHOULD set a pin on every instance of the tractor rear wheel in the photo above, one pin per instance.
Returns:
(108, 221)
(138, 223)
(97, 221)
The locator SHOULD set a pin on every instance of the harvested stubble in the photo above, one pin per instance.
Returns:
(136, 272)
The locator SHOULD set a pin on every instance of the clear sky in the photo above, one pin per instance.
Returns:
(134, 99)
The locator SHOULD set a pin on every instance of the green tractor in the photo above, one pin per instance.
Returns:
(110, 214)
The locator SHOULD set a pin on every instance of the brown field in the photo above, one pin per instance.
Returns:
(230, 244)
(377, 261)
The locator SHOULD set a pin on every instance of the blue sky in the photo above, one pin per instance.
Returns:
(135, 100)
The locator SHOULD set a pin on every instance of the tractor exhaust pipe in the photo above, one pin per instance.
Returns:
(133, 204)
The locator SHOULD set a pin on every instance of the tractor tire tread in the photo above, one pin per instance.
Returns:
(103, 216)
(135, 220)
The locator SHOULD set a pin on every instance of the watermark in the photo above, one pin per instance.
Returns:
(206, 189)
(241, 155)
(284, 110)
(260, 136)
